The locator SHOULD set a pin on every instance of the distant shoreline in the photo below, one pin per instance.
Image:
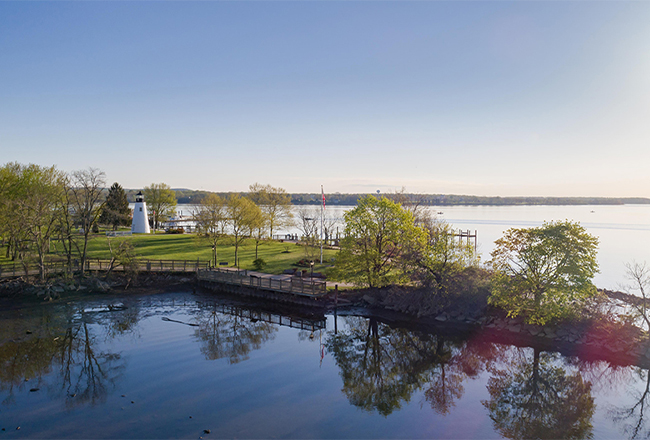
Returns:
(188, 196)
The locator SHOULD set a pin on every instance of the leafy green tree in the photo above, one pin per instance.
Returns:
(274, 202)
(378, 234)
(211, 220)
(241, 213)
(29, 207)
(442, 257)
(258, 223)
(116, 210)
(544, 273)
(161, 201)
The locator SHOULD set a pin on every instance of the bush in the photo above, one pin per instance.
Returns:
(259, 264)
(175, 230)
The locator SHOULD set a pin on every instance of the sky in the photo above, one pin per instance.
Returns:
(497, 98)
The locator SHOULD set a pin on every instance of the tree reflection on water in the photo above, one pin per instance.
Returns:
(530, 397)
(382, 366)
(633, 417)
(230, 336)
(64, 343)
(536, 398)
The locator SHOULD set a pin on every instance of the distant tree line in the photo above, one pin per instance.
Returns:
(189, 196)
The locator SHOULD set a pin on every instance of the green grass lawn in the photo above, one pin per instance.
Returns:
(278, 256)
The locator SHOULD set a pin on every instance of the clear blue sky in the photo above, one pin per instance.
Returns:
(487, 98)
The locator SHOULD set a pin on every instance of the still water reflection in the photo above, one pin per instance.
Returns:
(174, 365)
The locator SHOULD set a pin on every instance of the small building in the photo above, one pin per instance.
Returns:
(140, 222)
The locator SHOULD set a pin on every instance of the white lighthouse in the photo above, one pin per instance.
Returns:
(140, 222)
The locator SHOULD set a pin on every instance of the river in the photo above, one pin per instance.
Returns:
(177, 365)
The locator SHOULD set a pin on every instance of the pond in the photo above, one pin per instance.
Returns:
(179, 364)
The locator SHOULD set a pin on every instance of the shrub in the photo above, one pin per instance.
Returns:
(259, 264)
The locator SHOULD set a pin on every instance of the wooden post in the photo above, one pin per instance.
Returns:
(336, 295)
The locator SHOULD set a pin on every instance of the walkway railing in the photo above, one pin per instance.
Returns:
(294, 285)
(95, 264)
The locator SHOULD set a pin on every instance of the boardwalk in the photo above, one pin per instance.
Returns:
(267, 282)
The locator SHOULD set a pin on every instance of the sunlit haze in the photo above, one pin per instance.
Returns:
(485, 98)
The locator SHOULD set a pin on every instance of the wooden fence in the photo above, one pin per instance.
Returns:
(293, 285)
(95, 264)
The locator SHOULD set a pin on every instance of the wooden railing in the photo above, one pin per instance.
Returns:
(96, 264)
(294, 285)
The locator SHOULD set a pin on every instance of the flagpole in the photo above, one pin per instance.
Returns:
(322, 208)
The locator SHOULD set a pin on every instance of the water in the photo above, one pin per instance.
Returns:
(174, 365)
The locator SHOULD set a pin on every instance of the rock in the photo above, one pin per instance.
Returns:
(441, 317)
(33, 390)
(369, 299)
(206, 431)
(514, 328)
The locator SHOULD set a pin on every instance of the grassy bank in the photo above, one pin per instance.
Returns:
(278, 256)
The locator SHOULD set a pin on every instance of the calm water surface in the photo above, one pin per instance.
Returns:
(173, 365)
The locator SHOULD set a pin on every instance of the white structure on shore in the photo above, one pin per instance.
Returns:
(140, 222)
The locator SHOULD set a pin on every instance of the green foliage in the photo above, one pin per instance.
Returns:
(378, 233)
(116, 210)
(259, 264)
(544, 273)
(31, 201)
(441, 258)
(275, 204)
(161, 201)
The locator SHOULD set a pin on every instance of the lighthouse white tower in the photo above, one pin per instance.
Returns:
(140, 222)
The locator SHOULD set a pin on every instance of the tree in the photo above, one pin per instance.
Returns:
(85, 194)
(307, 223)
(544, 273)
(639, 276)
(240, 212)
(257, 225)
(378, 233)
(275, 203)
(30, 205)
(211, 219)
(442, 256)
(162, 201)
(116, 210)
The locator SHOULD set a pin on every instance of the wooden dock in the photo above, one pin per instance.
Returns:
(281, 288)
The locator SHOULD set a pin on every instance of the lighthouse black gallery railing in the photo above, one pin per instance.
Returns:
(17, 269)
